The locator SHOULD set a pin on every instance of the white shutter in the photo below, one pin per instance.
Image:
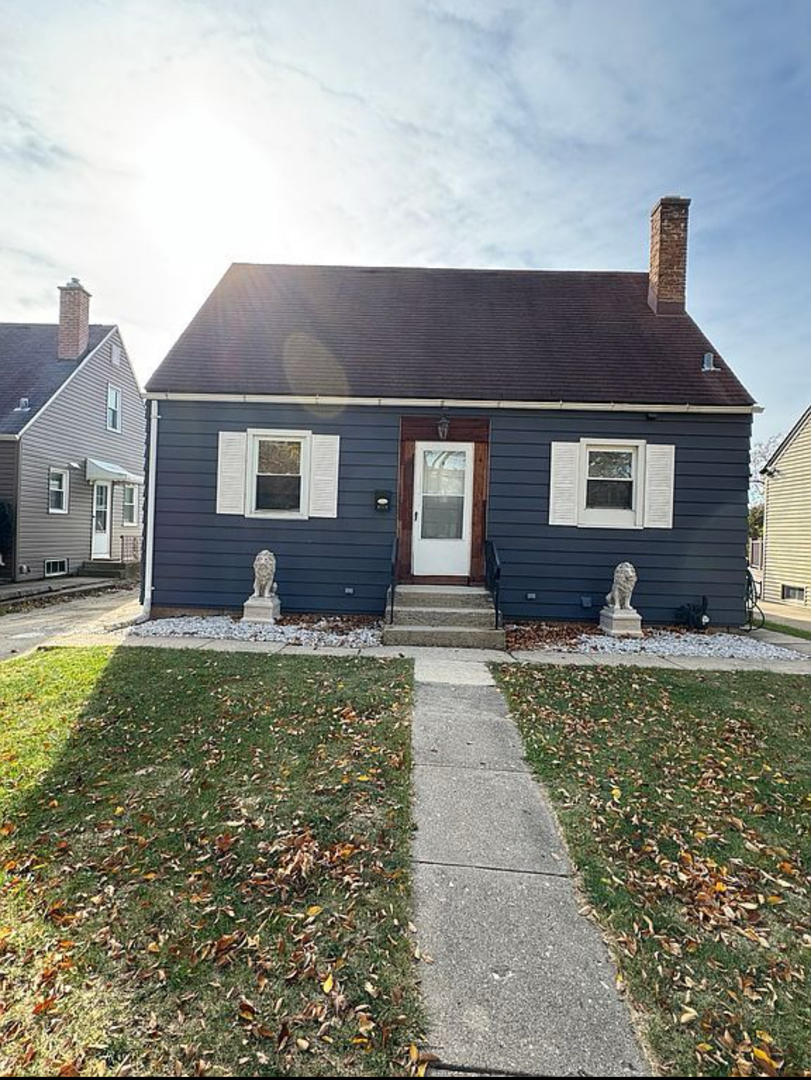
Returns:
(231, 462)
(324, 476)
(660, 467)
(563, 483)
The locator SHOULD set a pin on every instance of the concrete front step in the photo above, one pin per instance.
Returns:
(107, 569)
(443, 596)
(443, 616)
(449, 637)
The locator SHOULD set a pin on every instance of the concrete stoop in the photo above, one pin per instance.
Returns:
(460, 617)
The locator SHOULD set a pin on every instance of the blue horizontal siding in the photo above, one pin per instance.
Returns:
(203, 559)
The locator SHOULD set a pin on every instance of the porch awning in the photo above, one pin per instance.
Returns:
(105, 470)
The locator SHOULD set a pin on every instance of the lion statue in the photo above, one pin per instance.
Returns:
(264, 571)
(625, 578)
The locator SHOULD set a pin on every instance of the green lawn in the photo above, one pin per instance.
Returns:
(686, 801)
(204, 865)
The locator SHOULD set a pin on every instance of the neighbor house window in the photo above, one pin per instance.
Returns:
(56, 567)
(278, 476)
(793, 592)
(609, 484)
(113, 408)
(130, 511)
(58, 485)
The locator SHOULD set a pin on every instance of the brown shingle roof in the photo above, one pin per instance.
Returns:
(435, 333)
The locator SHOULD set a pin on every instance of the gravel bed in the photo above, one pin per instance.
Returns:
(222, 628)
(664, 643)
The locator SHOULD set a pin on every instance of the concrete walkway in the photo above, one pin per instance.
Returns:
(518, 980)
(787, 614)
(21, 591)
(22, 631)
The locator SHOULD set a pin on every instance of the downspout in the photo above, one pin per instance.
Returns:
(149, 552)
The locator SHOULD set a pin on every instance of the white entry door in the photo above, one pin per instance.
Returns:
(102, 492)
(443, 509)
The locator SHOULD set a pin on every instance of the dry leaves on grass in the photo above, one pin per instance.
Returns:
(213, 877)
(686, 800)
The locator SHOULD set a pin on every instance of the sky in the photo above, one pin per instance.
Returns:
(147, 144)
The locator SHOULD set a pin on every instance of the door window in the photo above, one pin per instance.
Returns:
(443, 494)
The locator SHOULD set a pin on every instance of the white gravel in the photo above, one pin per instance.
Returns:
(221, 628)
(666, 643)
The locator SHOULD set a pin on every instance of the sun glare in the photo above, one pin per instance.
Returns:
(208, 187)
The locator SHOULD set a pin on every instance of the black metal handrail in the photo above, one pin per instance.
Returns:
(492, 576)
(395, 551)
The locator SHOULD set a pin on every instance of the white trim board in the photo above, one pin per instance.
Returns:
(454, 403)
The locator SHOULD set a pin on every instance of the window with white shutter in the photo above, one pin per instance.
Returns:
(278, 474)
(612, 484)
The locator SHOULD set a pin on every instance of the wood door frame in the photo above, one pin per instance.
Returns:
(465, 429)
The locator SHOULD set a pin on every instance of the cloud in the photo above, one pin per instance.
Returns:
(147, 144)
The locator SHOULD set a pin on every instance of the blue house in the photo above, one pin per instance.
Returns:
(420, 427)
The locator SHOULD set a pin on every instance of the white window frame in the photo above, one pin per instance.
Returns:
(591, 518)
(111, 389)
(255, 436)
(136, 505)
(65, 474)
(55, 573)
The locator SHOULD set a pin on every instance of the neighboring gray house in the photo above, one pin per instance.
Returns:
(71, 446)
(564, 421)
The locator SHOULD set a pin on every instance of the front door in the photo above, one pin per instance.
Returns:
(102, 490)
(443, 509)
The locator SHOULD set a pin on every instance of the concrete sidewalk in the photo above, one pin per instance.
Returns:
(788, 614)
(437, 658)
(519, 980)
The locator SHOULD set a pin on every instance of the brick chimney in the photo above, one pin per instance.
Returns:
(667, 278)
(74, 320)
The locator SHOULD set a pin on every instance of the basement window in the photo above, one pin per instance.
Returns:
(793, 593)
(56, 567)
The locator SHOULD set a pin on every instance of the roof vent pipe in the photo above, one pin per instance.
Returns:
(709, 362)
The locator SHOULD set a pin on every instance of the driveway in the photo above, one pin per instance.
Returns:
(25, 630)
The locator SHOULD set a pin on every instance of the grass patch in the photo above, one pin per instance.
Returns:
(794, 631)
(686, 801)
(204, 865)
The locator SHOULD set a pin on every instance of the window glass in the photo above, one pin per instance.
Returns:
(57, 491)
(130, 504)
(113, 408)
(610, 480)
(278, 475)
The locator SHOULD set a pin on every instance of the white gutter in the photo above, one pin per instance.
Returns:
(456, 403)
(149, 554)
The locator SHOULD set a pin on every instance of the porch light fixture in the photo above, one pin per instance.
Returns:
(443, 428)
